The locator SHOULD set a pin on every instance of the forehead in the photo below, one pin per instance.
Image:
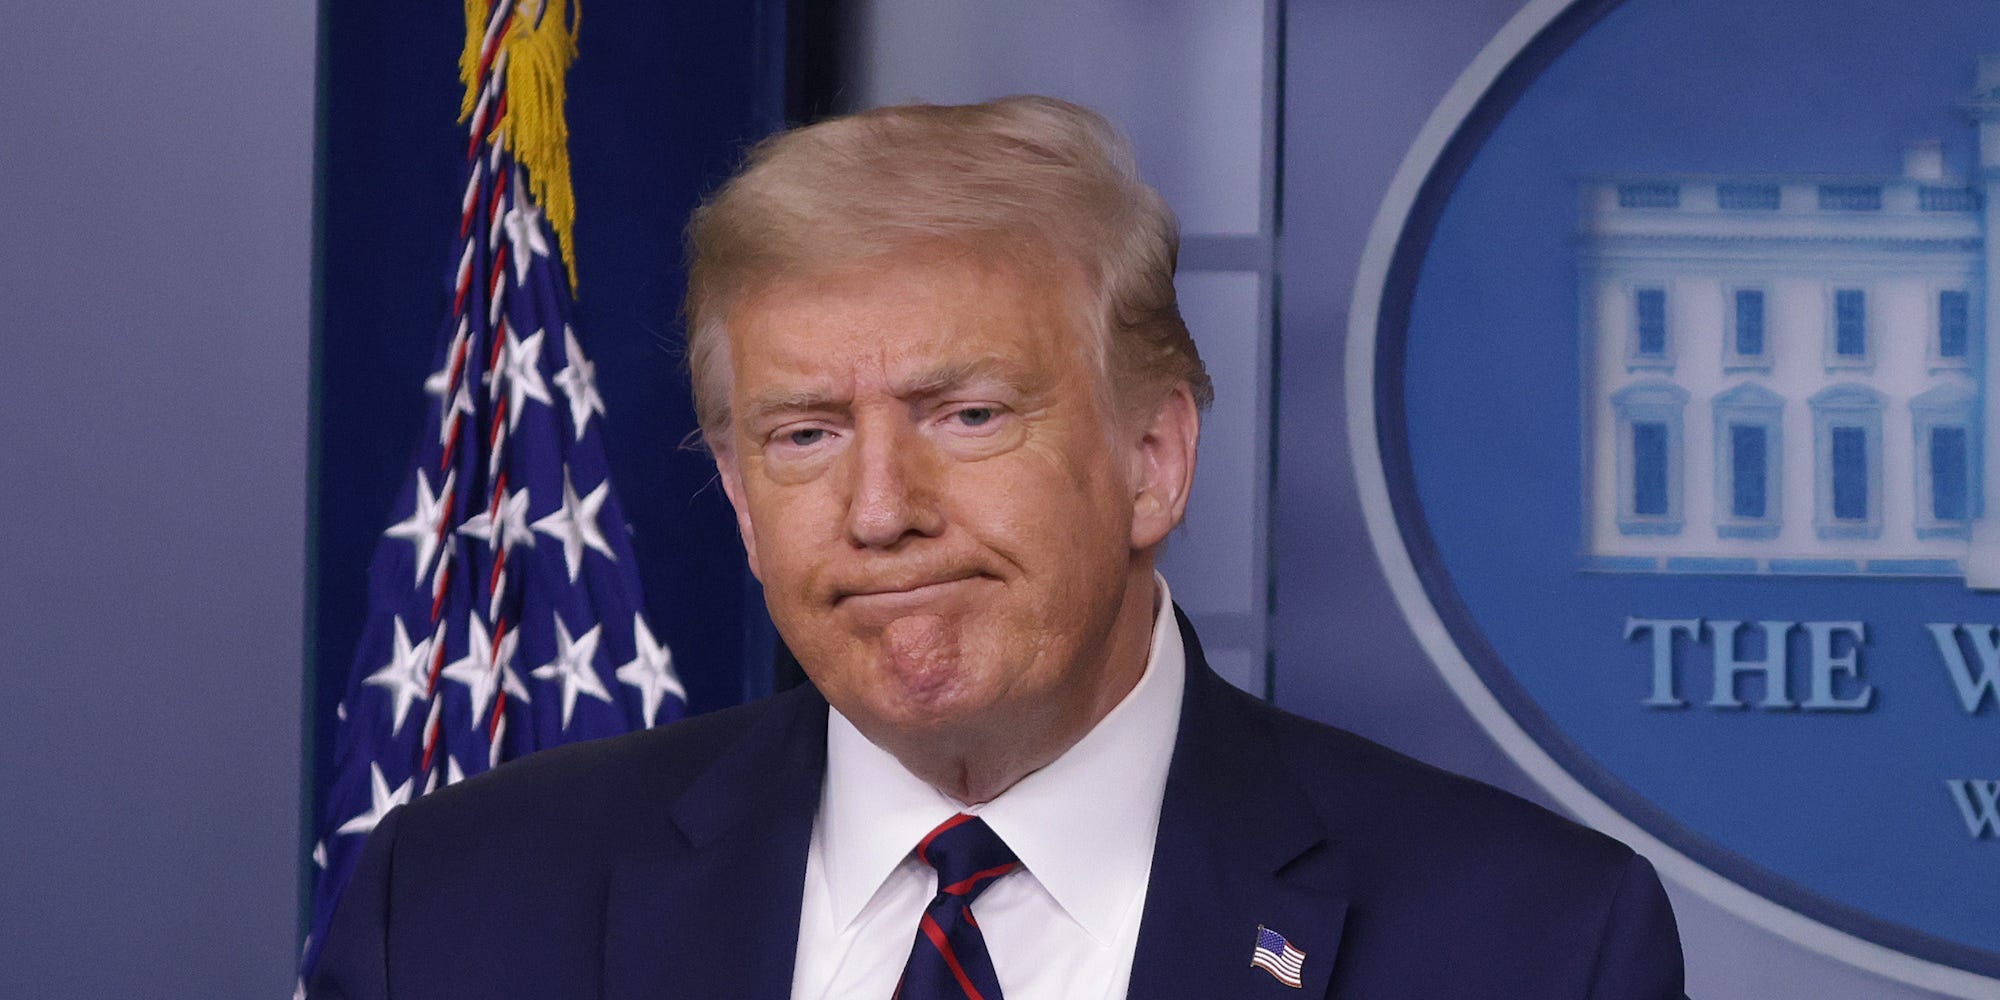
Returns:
(848, 329)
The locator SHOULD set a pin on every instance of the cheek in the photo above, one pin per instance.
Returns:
(792, 528)
(1065, 524)
(1093, 508)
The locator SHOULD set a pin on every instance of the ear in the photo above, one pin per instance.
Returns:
(1163, 468)
(731, 474)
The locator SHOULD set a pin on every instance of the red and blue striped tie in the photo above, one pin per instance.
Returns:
(949, 960)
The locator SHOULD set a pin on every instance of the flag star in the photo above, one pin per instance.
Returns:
(380, 801)
(521, 368)
(574, 667)
(575, 524)
(481, 668)
(524, 230)
(513, 524)
(319, 854)
(461, 402)
(578, 382)
(651, 671)
(453, 773)
(407, 675)
(440, 383)
(511, 683)
(421, 527)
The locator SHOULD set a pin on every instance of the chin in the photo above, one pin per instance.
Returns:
(934, 703)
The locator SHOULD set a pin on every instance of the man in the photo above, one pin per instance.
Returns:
(938, 359)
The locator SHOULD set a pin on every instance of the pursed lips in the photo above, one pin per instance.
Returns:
(902, 596)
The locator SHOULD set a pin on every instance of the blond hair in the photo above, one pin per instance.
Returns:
(1027, 180)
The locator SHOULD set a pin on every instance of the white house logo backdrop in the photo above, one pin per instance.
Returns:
(1672, 393)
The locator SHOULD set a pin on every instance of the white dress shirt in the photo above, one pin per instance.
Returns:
(1066, 924)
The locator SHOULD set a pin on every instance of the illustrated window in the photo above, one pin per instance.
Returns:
(1952, 346)
(1948, 458)
(1850, 197)
(1749, 450)
(1847, 451)
(1650, 458)
(1747, 197)
(1746, 345)
(1651, 345)
(1847, 335)
(1649, 196)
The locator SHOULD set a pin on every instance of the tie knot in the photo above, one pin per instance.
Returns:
(967, 854)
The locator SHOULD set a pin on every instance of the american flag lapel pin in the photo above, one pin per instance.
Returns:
(1276, 956)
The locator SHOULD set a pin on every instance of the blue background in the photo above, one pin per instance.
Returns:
(1850, 807)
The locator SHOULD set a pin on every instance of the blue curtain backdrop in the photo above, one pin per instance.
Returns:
(663, 99)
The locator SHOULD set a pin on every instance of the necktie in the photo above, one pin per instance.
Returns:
(949, 960)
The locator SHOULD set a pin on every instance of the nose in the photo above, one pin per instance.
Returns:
(893, 489)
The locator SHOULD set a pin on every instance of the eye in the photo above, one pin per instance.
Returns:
(806, 436)
(975, 416)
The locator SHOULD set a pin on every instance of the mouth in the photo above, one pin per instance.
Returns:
(895, 599)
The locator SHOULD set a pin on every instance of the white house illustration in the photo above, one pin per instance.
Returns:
(1784, 373)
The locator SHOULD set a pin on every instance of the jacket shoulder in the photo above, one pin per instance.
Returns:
(1406, 813)
(590, 793)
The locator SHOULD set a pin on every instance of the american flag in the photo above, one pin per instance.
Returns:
(504, 606)
(1276, 956)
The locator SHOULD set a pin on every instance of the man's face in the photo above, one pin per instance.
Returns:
(933, 489)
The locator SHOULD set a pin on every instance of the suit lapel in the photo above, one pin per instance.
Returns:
(1239, 846)
(715, 910)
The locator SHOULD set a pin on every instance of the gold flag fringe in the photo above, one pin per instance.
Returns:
(539, 46)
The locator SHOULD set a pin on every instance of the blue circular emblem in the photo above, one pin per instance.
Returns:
(1668, 384)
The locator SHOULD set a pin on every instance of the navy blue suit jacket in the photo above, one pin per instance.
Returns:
(670, 863)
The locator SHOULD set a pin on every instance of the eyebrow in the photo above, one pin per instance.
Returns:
(958, 374)
(784, 401)
(927, 384)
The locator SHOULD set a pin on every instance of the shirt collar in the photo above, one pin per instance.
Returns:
(1083, 825)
